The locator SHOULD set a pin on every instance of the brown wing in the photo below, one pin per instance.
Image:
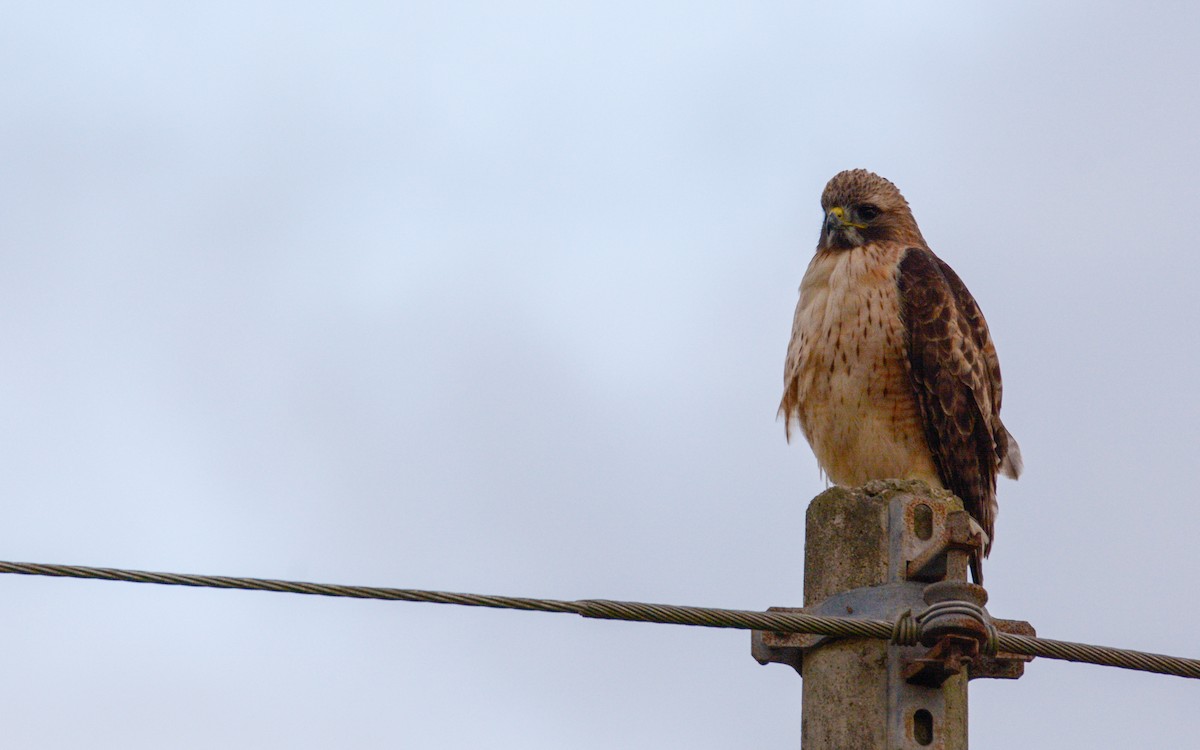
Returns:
(956, 379)
(1007, 449)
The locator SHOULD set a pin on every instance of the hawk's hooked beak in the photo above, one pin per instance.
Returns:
(838, 232)
(836, 219)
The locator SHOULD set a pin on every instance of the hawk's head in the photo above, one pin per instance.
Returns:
(861, 208)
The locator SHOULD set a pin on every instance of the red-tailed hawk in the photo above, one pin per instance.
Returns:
(891, 372)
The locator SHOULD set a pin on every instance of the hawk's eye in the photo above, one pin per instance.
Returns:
(867, 212)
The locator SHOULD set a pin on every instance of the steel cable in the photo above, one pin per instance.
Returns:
(781, 622)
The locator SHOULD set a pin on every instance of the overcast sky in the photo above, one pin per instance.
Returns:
(494, 297)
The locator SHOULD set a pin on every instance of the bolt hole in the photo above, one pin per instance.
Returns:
(923, 727)
(923, 521)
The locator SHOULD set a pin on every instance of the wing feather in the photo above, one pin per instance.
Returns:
(955, 376)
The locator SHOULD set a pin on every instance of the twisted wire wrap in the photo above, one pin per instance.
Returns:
(967, 609)
(902, 631)
(907, 630)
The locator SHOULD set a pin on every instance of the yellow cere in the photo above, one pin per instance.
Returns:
(840, 213)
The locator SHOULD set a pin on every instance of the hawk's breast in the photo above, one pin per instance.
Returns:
(848, 383)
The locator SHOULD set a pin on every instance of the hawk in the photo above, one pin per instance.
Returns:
(891, 372)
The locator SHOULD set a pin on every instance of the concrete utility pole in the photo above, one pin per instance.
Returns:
(875, 552)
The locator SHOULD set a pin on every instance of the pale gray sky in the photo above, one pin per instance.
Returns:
(494, 297)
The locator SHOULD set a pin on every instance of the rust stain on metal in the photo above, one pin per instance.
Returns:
(1003, 666)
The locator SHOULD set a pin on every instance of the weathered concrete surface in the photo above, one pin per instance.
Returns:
(846, 681)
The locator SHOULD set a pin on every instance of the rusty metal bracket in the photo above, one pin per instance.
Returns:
(933, 544)
(956, 629)
(942, 543)
(880, 602)
(869, 602)
(1003, 665)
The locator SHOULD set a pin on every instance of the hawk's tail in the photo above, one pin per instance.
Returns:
(1011, 465)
